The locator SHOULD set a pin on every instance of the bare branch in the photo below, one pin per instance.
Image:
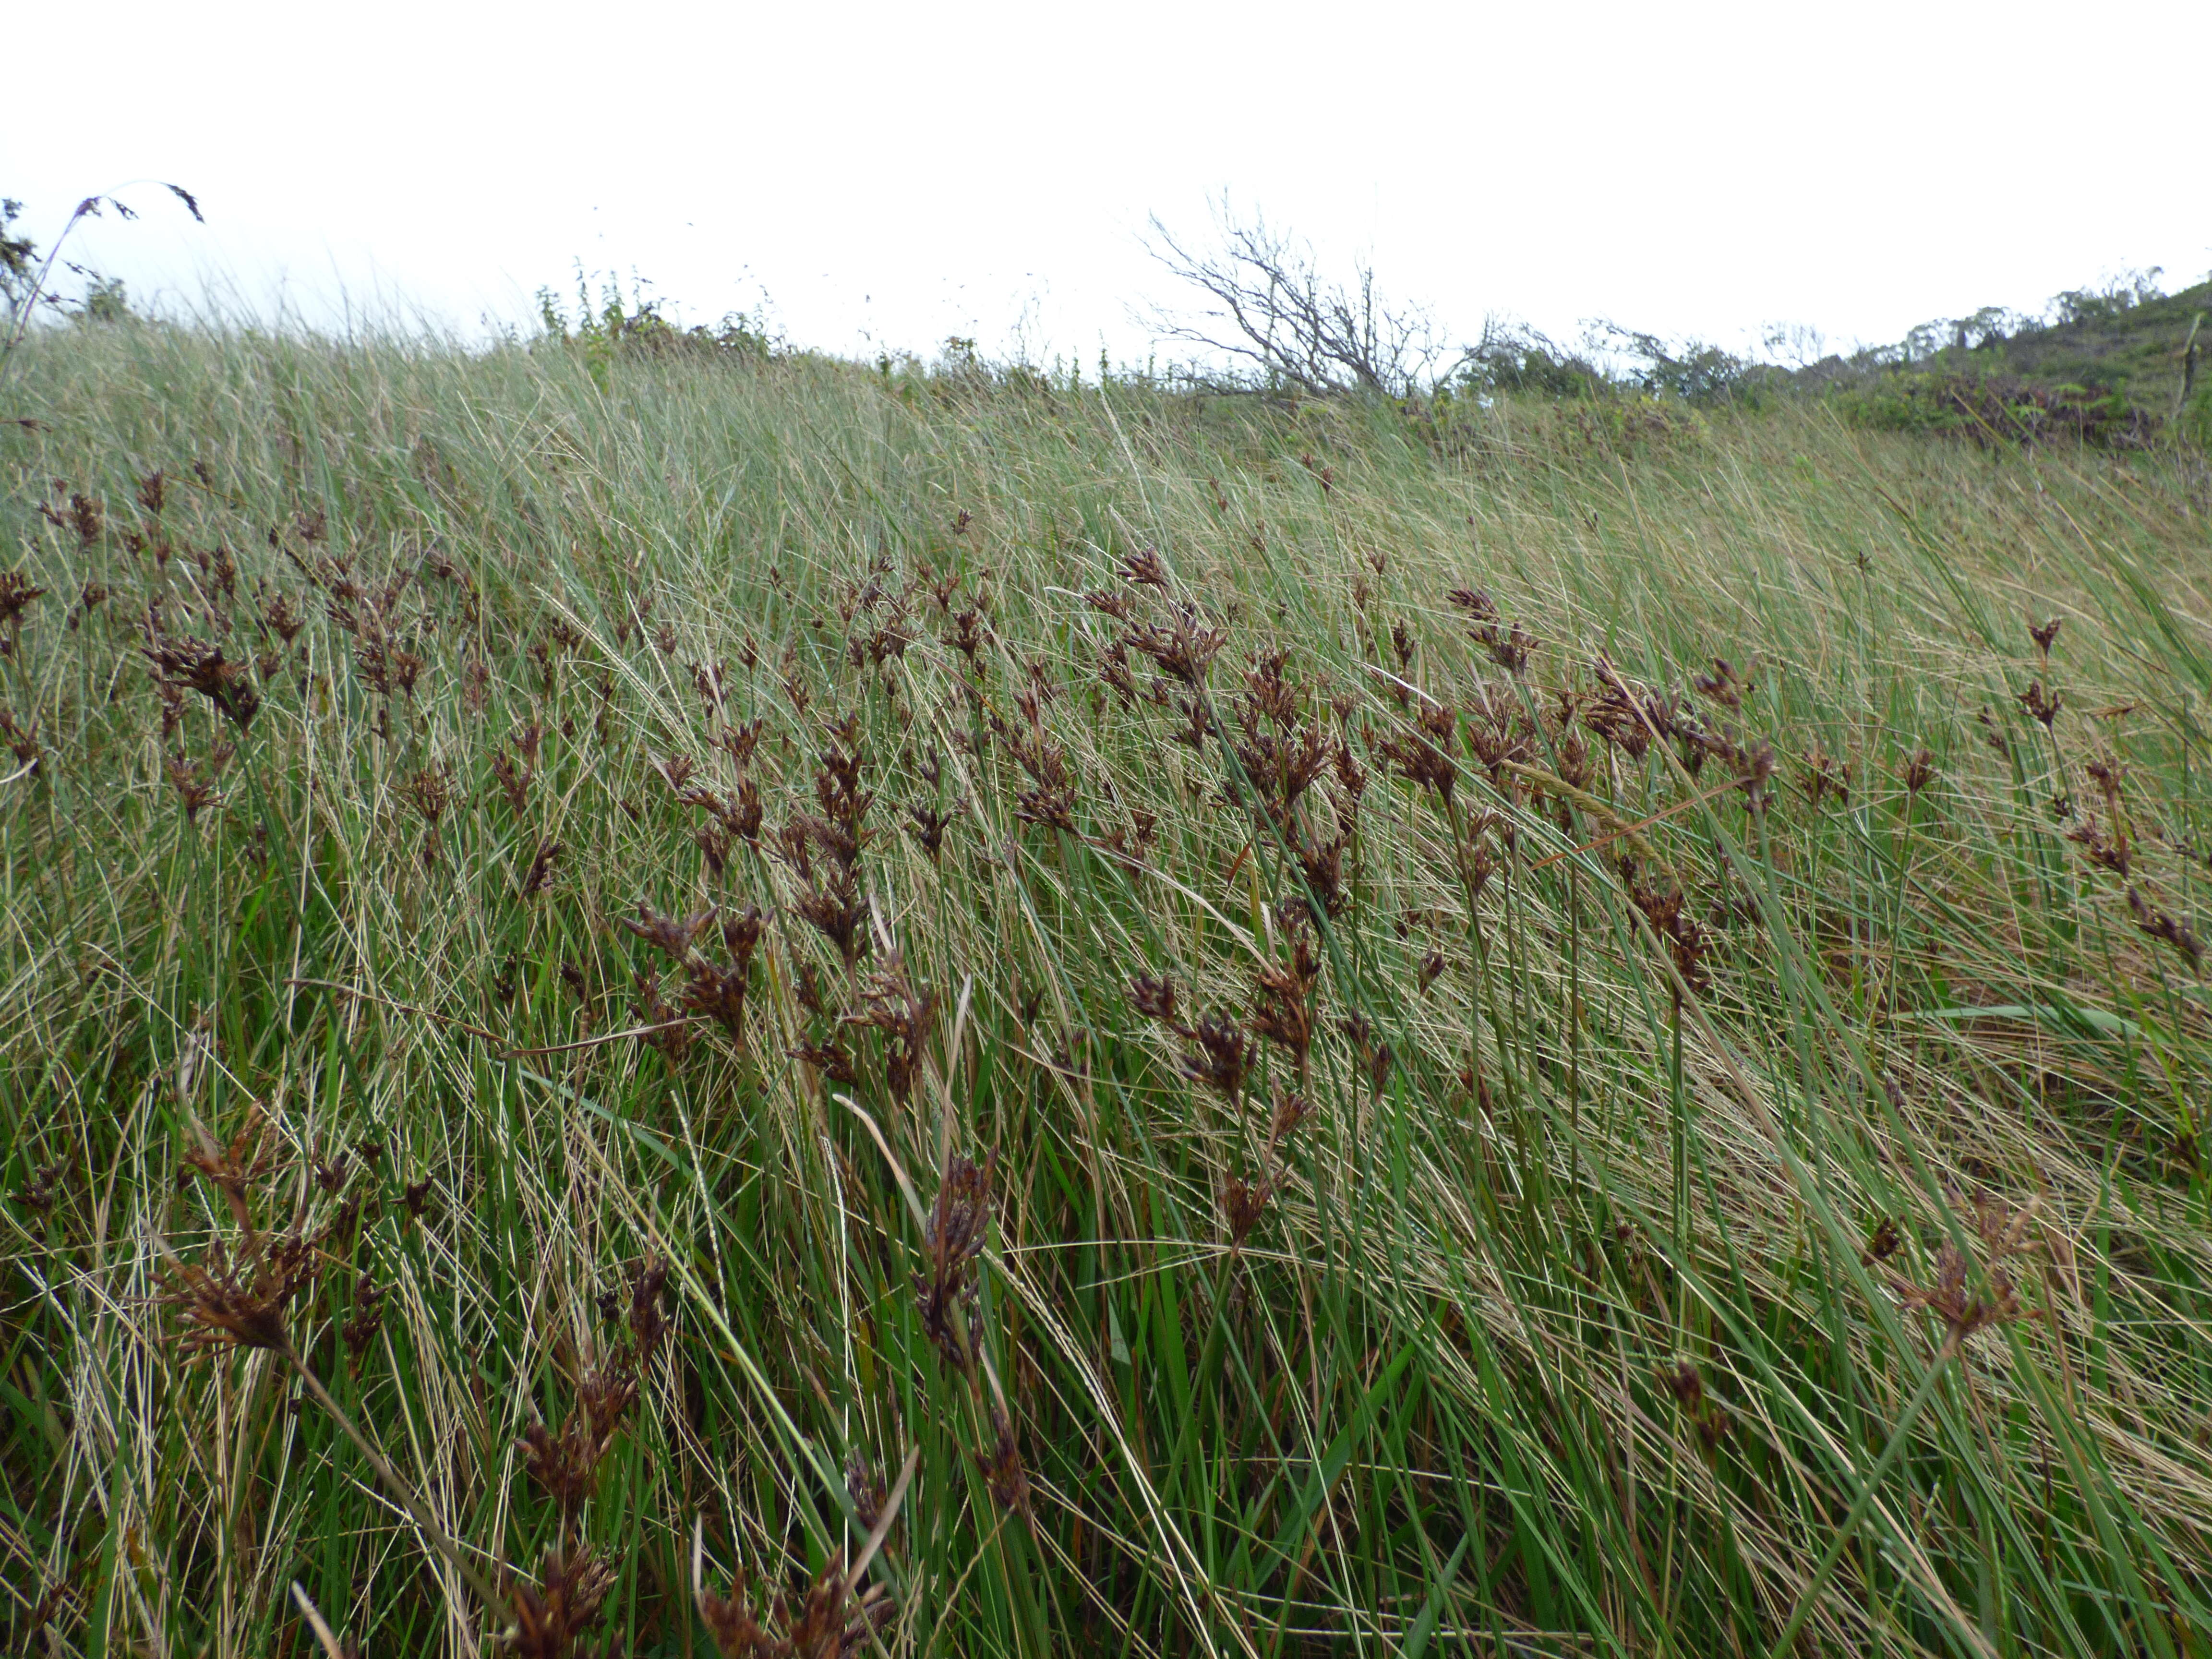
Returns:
(1269, 308)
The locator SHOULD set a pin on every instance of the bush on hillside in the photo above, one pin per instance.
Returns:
(1998, 409)
(637, 327)
(1693, 371)
(1515, 357)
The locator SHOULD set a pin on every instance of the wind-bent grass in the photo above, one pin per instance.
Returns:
(1716, 1229)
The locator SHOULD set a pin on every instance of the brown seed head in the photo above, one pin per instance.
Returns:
(1825, 775)
(194, 792)
(737, 1634)
(1286, 1012)
(891, 1004)
(185, 662)
(539, 875)
(366, 1319)
(713, 842)
(38, 1193)
(1686, 1384)
(648, 1324)
(718, 992)
(16, 593)
(2043, 707)
(231, 1169)
(1292, 1110)
(1155, 999)
(2160, 925)
(1217, 1055)
(1756, 766)
(866, 1489)
(1242, 1203)
(1001, 1464)
(550, 1616)
(1144, 568)
(1882, 1242)
(1961, 1312)
(675, 771)
(1423, 757)
(828, 1057)
(671, 1034)
(927, 825)
(283, 617)
(429, 792)
(1185, 649)
(2107, 774)
(741, 934)
(225, 1308)
(1478, 605)
(1401, 644)
(969, 634)
(2115, 852)
(952, 1240)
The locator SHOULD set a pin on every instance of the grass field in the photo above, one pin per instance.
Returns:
(988, 1017)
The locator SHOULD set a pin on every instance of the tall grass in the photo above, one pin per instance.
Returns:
(1259, 1015)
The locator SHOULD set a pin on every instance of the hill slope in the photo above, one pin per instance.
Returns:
(2140, 346)
(1240, 993)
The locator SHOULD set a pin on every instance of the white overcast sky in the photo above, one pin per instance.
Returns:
(892, 175)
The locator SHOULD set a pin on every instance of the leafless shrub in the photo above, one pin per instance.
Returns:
(1268, 307)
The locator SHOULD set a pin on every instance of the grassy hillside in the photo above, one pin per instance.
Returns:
(985, 1019)
(2141, 346)
(2117, 369)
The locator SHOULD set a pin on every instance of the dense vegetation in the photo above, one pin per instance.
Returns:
(2126, 336)
(666, 1002)
(2113, 367)
(2116, 368)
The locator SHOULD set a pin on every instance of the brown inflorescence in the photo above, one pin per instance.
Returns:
(1244, 1201)
(822, 849)
(181, 662)
(1660, 900)
(1423, 756)
(565, 1462)
(952, 1241)
(1217, 1055)
(2161, 924)
(1001, 1465)
(1286, 1012)
(891, 1004)
(551, 1615)
(712, 990)
(829, 1622)
(539, 875)
(17, 593)
(2042, 706)
(225, 1307)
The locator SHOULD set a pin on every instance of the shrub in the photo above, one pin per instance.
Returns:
(637, 327)
(1514, 357)
(1995, 409)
